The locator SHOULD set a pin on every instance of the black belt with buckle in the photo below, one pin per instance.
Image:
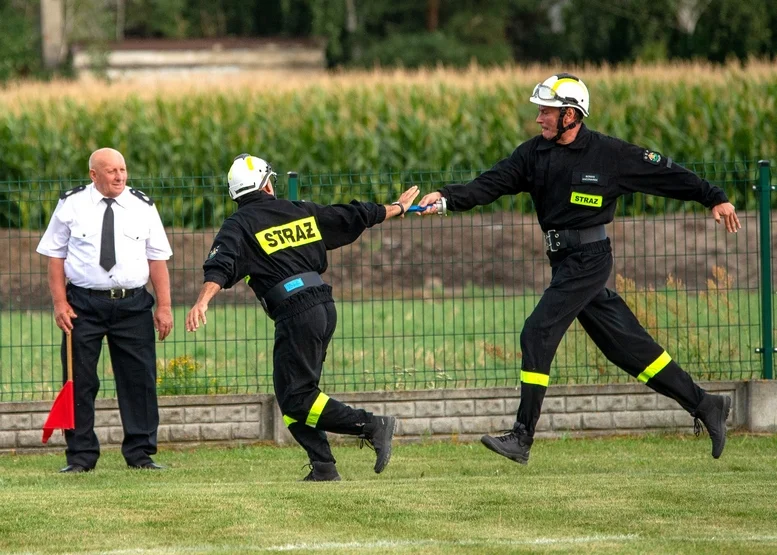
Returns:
(557, 239)
(113, 294)
(289, 287)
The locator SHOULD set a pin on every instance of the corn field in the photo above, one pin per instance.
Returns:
(372, 121)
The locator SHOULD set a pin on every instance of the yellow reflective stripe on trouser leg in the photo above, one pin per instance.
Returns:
(535, 378)
(655, 367)
(288, 420)
(316, 410)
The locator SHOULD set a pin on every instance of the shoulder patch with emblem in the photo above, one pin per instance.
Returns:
(651, 157)
(213, 252)
(142, 196)
(64, 194)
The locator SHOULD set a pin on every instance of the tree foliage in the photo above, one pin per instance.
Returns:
(414, 33)
(616, 32)
(20, 45)
(735, 29)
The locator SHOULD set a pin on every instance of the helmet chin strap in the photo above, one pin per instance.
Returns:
(561, 128)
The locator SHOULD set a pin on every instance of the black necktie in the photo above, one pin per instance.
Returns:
(107, 245)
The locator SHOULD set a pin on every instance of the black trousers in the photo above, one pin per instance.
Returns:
(577, 290)
(301, 341)
(129, 326)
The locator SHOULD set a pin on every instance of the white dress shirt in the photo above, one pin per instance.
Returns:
(75, 231)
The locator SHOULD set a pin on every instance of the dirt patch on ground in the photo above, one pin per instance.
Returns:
(431, 257)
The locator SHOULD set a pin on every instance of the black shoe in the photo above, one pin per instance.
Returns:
(322, 472)
(150, 465)
(514, 445)
(377, 435)
(713, 411)
(75, 469)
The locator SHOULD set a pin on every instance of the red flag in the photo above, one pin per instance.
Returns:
(62, 415)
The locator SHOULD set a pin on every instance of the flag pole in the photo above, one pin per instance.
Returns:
(70, 356)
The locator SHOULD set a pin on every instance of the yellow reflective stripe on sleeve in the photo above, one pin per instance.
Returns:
(288, 420)
(535, 378)
(655, 367)
(316, 410)
(293, 234)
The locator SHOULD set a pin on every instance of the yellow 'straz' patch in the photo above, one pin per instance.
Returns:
(293, 234)
(594, 201)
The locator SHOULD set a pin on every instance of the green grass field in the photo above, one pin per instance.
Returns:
(657, 494)
(403, 344)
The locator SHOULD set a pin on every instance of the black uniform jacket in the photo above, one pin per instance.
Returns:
(269, 239)
(577, 185)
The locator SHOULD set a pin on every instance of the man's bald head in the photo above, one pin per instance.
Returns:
(108, 171)
(100, 155)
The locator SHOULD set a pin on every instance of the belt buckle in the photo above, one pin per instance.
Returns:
(115, 293)
(549, 240)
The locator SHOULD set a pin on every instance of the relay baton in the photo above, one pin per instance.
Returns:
(442, 207)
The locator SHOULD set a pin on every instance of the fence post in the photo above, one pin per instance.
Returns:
(293, 186)
(764, 215)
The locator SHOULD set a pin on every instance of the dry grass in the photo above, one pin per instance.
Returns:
(268, 82)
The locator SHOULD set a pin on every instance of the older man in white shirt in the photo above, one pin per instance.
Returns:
(104, 241)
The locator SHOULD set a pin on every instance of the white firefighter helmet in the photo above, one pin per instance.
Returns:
(562, 90)
(247, 174)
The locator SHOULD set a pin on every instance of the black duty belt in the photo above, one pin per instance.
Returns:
(289, 287)
(557, 239)
(114, 294)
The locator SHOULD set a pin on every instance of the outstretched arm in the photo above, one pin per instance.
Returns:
(342, 224)
(507, 177)
(647, 171)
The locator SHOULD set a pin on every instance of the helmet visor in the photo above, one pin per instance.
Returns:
(543, 92)
(547, 94)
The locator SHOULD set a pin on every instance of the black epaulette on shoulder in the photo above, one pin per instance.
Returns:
(64, 194)
(142, 196)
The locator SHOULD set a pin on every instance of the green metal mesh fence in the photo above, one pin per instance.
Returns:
(423, 302)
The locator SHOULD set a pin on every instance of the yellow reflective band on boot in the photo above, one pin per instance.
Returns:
(288, 420)
(316, 410)
(535, 378)
(655, 367)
